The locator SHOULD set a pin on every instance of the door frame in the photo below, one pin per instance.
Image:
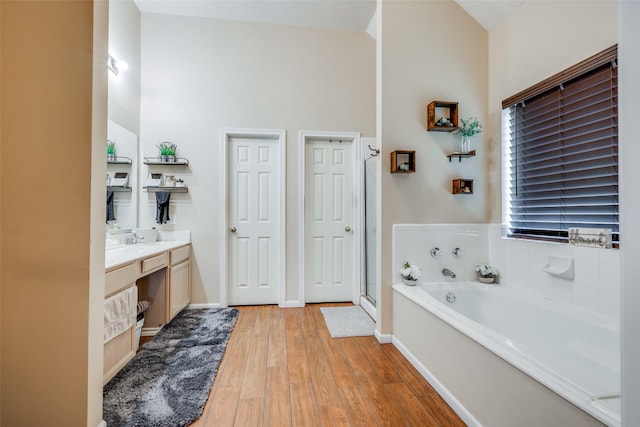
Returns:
(354, 139)
(279, 137)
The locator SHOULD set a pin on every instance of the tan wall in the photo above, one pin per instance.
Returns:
(523, 52)
(200, 75)
(48, 258)
(429, 51)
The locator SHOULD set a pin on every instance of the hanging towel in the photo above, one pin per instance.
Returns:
(111, 216)
(162, 203)
(120, 312)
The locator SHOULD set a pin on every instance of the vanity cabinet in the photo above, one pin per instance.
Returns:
(164, 279)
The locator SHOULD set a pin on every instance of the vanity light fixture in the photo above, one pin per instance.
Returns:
(115, 66)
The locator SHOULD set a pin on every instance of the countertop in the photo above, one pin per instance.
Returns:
(129, 253)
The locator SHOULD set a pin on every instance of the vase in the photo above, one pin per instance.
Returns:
(409, 282)
(465, 144)
(486, 279)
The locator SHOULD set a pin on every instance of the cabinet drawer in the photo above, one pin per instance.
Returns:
(180, 254)
(119, 279)
(153, 263)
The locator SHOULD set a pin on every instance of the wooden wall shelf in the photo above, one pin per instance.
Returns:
(442, 109)
(403, 161)
(462, 186)
(461, 156)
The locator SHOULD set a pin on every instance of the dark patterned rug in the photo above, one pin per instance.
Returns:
(167, 383)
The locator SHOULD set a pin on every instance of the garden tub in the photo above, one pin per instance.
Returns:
(571, 352)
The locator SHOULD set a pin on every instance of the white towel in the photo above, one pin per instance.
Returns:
(120, 312)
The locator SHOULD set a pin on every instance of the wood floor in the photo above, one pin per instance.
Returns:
(282, 368)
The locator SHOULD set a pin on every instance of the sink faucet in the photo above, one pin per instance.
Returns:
(447, 272)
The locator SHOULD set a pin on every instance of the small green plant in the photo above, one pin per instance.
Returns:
(470, 127)
(167, 149)
(111, 147)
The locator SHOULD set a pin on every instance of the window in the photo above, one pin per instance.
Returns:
(561, 153)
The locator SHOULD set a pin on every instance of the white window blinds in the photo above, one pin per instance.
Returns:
(562, 158)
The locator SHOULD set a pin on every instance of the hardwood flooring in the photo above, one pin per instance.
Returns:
(282, 368)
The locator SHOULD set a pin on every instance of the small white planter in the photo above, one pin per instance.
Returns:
(409, 282)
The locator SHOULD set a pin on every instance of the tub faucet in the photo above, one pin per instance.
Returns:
(447, 272)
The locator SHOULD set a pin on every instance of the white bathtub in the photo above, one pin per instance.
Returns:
(572, 352)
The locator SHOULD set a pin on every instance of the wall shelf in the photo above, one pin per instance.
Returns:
(442, 109)
(119, 189)
(180, 161)
(167, 189)
(461, 156)
(403, 161)
(119, 160)
(462, 186)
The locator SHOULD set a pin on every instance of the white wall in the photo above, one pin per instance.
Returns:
(429, 51)
(124, 45)
(200, 75)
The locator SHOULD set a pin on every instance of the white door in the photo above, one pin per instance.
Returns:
(254, 219)
(328, 221)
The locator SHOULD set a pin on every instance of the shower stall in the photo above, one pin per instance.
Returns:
(370, 178)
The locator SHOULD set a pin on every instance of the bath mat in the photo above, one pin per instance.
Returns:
(350, 321)
(168, 382)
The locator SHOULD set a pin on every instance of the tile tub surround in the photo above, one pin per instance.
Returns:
(596, 286)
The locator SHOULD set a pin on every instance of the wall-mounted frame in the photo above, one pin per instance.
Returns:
(438, 110)
(403, 161)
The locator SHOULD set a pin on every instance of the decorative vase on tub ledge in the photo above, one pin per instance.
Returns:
(410, 274)
(486, 273)
(409, 282)
(486, 279)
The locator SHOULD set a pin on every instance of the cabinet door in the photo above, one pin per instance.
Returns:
(179, 287)
(118, 352)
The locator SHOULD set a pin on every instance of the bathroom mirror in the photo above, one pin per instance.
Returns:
(125, 198)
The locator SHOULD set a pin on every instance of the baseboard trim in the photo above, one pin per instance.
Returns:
(448, 397)
(150, 332)
(383, 338)
(293, 304)
(102, 423)
(209, 305)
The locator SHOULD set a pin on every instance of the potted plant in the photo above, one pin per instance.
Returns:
(486, 273)
(410, 273)
(470, 127)
(111, 150)
(167, 151)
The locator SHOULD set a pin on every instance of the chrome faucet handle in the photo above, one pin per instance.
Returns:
(436, 252)
(457, 253)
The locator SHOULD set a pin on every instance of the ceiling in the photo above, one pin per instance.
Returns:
(335, 14)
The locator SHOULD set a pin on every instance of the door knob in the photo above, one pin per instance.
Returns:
(347, 229)
(233, 229)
